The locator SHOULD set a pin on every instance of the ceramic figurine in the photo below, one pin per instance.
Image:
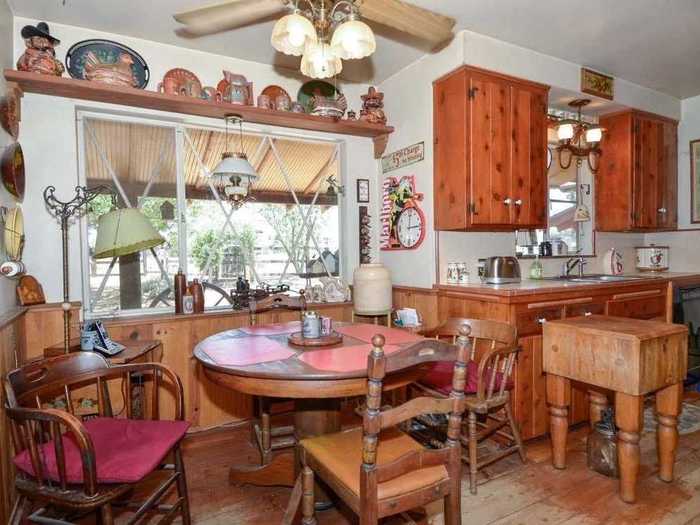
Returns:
(40, 55)
(297, 107)
(264, 102)
(351, 115)
(181, 82)
(236, 89)
(119, 73)
(372, 104)
(282, 102)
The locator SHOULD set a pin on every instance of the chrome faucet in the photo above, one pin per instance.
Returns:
(572, 263)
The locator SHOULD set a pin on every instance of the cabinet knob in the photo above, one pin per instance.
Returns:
(587, 314)
(507, 201)
(662, 210)
(518, 202)
(542, 320)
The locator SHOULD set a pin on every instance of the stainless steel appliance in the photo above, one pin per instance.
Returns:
(501, 270)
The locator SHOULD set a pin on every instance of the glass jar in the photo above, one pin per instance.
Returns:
(601, 446)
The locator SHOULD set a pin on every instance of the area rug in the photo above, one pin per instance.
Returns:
(688, 422)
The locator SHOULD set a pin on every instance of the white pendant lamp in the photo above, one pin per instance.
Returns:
(292, 33)
(353, 40)
(319, 61)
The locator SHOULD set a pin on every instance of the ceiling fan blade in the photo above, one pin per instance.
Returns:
(422, 23)
(228, 15)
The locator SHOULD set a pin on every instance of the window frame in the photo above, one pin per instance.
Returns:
(179, 127)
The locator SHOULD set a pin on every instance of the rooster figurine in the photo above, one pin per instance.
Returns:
(119, 73)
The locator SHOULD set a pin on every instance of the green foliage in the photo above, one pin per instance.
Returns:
(209, 247)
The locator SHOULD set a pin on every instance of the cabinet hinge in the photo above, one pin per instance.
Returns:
(472, 92)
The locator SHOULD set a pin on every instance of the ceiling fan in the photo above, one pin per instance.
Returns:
(323, 31)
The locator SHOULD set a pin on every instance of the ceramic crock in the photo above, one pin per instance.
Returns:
(371, 289)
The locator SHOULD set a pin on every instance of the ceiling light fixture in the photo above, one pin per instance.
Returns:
(307, 32)
(234, 175)
(578, 138)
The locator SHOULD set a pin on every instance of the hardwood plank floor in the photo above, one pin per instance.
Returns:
(511, 493)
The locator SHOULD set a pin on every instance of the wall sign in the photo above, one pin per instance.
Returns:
(362, 190)
(403, 222)
(597, 84)
(403, 157)
(695, 181)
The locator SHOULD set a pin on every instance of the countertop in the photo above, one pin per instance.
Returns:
(543, 286)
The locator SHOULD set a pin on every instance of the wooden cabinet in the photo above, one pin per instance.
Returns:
(636, 185)
(490, 143)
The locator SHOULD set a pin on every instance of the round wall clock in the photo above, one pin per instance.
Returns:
(410, 228)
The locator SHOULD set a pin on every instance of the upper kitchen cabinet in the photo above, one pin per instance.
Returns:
(636, 185)
(490, 144)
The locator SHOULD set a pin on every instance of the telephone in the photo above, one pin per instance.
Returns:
(94, 337)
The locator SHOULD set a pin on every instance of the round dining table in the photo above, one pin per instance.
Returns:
(260, 361)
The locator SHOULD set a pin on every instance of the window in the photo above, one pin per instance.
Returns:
(288, 233)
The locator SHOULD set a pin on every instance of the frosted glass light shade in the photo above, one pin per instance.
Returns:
(123, 232)
(319, 61)
(234, 164)
(352, 40)
(292, 33)
(565, 131)
(593, 135)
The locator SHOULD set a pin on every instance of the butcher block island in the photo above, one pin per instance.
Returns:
(530, 304)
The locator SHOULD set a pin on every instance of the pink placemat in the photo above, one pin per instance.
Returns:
(342, 359)
(246, 351)
(273, 329)
(365, 332)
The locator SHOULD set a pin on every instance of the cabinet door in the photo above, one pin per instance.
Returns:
(648, 169)
(450, 152)
(667, 192)
(529, 394)
(489, 116)
(528, 156)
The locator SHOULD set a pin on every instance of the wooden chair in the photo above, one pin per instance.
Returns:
(265, 436)
(378, 470)
(79, 465)
(489, 381)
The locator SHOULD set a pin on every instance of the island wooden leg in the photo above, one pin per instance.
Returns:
(668, 407)
(558, 399)
(597, 402)
(629, 419)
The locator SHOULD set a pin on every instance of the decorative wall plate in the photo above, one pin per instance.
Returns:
(14, 234)
(312, 88)
(10, 113)
(12, 167)
(181, 82)
(106, 52)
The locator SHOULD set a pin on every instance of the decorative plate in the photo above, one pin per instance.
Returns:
(181, 82)
(107, 52)
(312, 88)
(14, 234)
(9, 113)
(274, 93)
(12, 166)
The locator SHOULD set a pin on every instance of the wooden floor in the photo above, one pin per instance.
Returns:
(513, 493)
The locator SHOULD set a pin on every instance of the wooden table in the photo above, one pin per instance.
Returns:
(260, 361)
(632, 358)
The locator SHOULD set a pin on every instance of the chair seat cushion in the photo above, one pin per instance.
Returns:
(341, 454)
(126, 450)
(440, 378)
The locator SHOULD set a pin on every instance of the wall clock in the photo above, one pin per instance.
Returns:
(403, 222)
(410, 227)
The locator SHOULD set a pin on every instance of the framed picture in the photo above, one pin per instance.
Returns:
(362, 190)
(597, 84)
(695, 181)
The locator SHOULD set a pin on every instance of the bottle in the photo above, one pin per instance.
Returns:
(197, 296)
(180, 289)
(536, 270)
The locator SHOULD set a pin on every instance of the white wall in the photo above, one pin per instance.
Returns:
(50, 146)
(684, 245)
(408, 104)
(7, 286)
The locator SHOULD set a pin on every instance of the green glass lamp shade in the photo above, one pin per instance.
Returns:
(123, 232)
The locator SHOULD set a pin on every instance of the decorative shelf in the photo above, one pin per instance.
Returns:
(140, 98)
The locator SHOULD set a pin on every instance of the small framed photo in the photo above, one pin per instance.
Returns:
(362, 190)
(695, 181)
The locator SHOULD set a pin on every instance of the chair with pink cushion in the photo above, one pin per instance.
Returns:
(75, 460)
(488, 386)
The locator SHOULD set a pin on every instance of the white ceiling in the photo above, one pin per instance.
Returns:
(653, 43)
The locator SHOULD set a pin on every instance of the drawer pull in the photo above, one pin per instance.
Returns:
(630, 295)
(518, 202)
(662, 210)
(587, 314)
